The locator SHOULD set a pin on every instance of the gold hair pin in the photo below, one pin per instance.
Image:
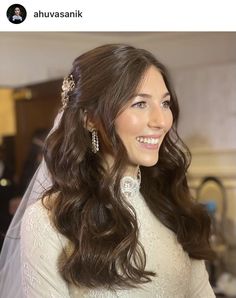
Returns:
(67, 86)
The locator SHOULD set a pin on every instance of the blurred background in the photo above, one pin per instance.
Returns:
(203, 68)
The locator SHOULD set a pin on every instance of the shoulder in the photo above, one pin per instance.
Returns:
(39, 212)
(35, 213)
(36, 225)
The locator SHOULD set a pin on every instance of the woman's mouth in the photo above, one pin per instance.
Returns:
(148, 140)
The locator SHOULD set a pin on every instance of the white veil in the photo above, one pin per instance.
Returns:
(10, 263)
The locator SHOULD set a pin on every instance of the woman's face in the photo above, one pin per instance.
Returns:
(144, 122)
(17, 11)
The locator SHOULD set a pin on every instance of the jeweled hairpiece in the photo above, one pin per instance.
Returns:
(67, 86)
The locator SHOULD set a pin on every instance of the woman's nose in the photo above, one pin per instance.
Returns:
(157, 118)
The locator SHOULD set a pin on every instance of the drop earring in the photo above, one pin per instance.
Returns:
(95, 141)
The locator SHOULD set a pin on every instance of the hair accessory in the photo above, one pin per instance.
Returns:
(67, 86)
(95, 141)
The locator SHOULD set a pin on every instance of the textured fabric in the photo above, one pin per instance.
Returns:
(10, 265)
(176, 274)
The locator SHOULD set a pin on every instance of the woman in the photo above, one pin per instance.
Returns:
(16, 18)
(116, 218)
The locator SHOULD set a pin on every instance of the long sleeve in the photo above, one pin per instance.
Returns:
(40, 248)
(199, 283)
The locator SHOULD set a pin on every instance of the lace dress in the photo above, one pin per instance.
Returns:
(177, 275)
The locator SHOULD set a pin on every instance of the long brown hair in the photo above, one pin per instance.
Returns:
(89, 209)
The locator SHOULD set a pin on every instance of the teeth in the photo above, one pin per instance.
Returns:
(152, 141)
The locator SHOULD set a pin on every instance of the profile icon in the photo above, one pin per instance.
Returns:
(16, 14)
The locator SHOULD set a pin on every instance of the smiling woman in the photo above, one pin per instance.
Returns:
(143, 124)
(113, 216)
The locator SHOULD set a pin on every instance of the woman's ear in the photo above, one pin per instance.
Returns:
(88, 122)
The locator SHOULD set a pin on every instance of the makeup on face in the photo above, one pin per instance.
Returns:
(144, 122)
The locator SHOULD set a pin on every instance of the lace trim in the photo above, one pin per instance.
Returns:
(130, 186)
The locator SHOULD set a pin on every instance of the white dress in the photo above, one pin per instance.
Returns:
(177, 275)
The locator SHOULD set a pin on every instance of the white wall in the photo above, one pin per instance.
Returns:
(34, 56)
(208, 105)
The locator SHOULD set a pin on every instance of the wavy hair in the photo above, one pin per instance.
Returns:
(104, 249)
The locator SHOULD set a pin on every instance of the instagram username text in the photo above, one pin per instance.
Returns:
(58, 14)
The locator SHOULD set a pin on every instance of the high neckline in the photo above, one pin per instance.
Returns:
(130, 186)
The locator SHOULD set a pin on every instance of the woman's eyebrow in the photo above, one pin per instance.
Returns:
(166, 94)
(145, 95)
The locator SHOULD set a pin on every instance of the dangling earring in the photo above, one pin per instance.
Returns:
(95, 141)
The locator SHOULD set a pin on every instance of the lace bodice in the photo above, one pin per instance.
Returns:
(177, 275)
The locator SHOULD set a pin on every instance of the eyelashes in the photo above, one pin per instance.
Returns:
(166, 104)
(140, 104)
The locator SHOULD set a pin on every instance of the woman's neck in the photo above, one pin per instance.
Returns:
(131, 170)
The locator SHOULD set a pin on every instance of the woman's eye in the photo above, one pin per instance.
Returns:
(166, 104)
(140, 104)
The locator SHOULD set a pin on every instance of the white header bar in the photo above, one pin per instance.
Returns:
(122, 15)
